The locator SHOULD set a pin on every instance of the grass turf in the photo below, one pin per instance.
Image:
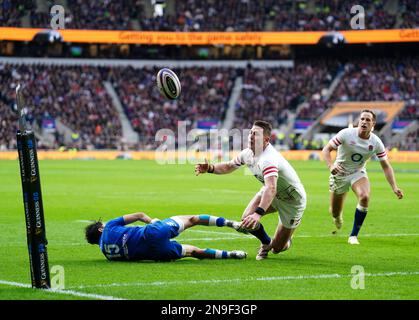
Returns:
(317, 267)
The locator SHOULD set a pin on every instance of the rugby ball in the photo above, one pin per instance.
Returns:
(168, 84)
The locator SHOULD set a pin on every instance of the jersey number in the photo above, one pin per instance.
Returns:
(112, 250)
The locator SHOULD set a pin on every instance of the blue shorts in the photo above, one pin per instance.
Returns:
(158, 235)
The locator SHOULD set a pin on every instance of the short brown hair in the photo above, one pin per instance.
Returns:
(374, 116)
(266, 126)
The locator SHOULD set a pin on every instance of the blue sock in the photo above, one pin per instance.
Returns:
(220, 222)
(212, 220)
(360, 214)
(261, 235)
(216, 254)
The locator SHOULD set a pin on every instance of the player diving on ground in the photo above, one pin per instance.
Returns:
(153, 241)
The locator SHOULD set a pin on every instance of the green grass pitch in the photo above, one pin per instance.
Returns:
(318, 266)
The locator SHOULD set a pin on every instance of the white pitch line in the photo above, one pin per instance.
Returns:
(215, 232)
(208, 239)
(213, 281)
(66, 292)
(371, 235)
(235, 237)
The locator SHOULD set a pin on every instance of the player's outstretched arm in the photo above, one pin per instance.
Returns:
(218, 168)
(389, 173)
(138, 216)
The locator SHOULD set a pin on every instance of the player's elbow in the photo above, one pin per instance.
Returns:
(327, 149)
(140, 215)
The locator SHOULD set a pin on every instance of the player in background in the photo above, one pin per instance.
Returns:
(282, 189)
(152, 242)
(354, 147)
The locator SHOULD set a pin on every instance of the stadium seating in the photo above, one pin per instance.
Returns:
(8, 126)
(370, 80)
(205, 96)
(113, 15)
(206, 15)
(271, 94)
(12, 12)
(409, 14)
(376, 79)
(74, 95)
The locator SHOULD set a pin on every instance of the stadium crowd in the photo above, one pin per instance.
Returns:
(206, 98)
(12, 12)
(373, 80)
(409, 143)
(101, 15)
(8, 127)
(73, 95)
(410, 14)
(76, 97)
(271, 94)
(379, 79)
(210, 15)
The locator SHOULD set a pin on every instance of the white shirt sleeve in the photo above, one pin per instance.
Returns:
(269, 168)
(380, 151)
(239, 160)
(338, 139)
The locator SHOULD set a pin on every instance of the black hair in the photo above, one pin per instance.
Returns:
(92, 232)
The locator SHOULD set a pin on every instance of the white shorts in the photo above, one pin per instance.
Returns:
(290, 206)
(341, 184)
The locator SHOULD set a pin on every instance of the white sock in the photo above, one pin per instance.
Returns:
(361, 208)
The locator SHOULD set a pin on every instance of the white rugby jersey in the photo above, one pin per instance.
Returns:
(271, 163)
(354, 152)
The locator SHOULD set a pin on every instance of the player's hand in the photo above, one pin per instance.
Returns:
(251, 221)
(398, 192)
(337, 169)
(201, 168)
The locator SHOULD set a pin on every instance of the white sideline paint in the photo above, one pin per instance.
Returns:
(371, 235)
(233, 237)
(216, 232)
(238, 236)
(230, 237)
(67, 292)
(283, 278)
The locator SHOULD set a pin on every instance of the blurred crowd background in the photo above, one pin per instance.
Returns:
(74, 100)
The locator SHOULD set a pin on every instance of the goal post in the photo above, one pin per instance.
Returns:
(32, 200)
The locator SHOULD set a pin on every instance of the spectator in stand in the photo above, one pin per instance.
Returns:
(206, 15)
(12, 12)
(206, 98)
(73, 95)
(270, 93)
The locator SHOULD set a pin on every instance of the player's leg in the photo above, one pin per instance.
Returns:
(361, 187)
(338, 187)
(290, 215)
(195, 252)
(260, 232)
(282, 239)
(188, 221)
(336, 208)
